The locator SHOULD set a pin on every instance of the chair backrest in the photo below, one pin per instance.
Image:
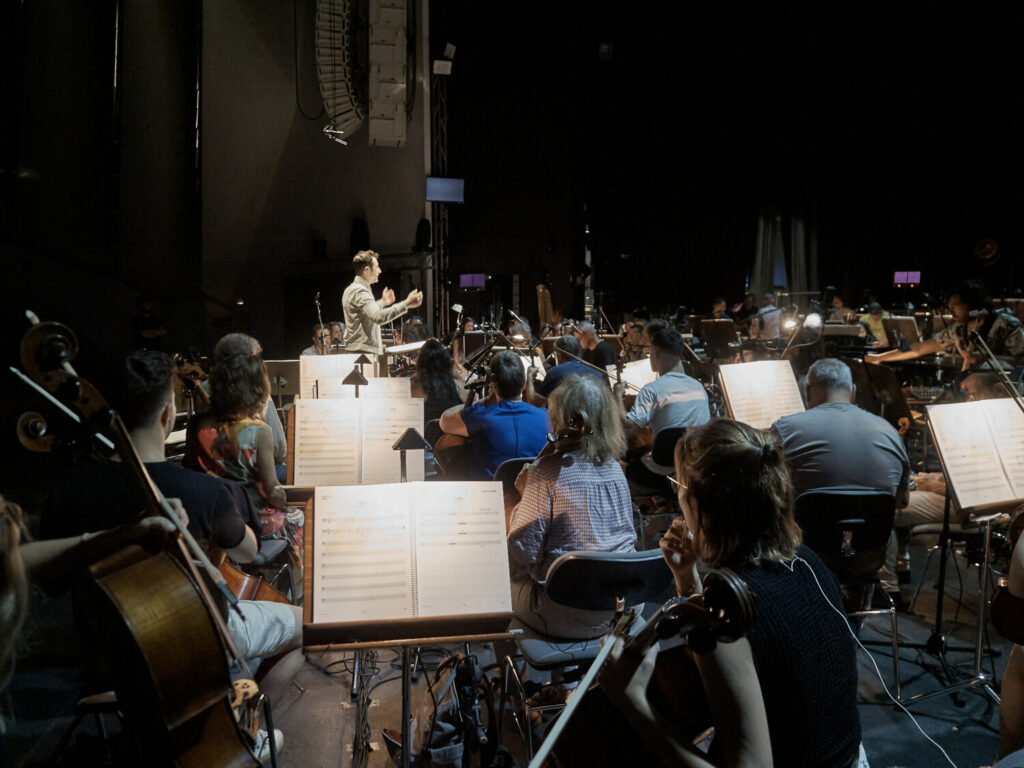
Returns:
(663, 452)
(825, 515)
(508, 471)
(432, 431)
(593, 580)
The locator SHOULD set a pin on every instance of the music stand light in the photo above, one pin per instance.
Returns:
(411, 440)
(355, 379)
(361, 361)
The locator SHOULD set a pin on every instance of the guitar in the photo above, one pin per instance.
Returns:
(153, 616)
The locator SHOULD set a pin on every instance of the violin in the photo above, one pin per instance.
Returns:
(154, 618)
(595, 732)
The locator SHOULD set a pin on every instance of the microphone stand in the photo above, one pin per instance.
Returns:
(316, 300)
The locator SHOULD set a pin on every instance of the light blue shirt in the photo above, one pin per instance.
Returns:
(672, 400)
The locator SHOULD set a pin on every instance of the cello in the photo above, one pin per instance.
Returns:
(163, 639)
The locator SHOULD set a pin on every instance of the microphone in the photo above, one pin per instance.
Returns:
(517, 318)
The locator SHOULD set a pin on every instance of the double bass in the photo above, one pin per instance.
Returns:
(163, 640)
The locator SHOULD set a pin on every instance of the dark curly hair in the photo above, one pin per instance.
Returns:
(238, 386)
(434, 368)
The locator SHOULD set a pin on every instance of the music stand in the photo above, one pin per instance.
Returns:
(404, 633)
(356, 379)
(901, 330)
(284, 377)
(717, 335)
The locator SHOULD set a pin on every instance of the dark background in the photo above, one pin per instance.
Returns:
(666, 128)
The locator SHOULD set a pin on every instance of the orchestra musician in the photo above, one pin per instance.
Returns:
(765, 324)
(737, 504)
(232, 441)
(564, 368)
(243, 344)
(972, 311)
(573, 499)
(502, 426)
(674, 399)
(434, 373)
(596, 350)
(718, 311)
(364, 314)
(840, 313)
(321, 341)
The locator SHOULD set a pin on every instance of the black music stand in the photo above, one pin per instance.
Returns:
(411, 440)
(404, 633)
(356, 379)
(284, 377)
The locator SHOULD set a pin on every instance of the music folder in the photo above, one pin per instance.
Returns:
(761, 392)
(382, 560)
(981, 448)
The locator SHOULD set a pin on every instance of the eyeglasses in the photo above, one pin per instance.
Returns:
(676, 485)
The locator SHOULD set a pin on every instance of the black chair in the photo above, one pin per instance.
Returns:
(432, 431)
(663, 451)
(593, 581)
(850, 533)
(654, 501)
(508, 471)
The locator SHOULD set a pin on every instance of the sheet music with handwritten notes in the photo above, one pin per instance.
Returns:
(761, 392)
(323, 373)
(341, 441)
(409, 549)
(982, 450)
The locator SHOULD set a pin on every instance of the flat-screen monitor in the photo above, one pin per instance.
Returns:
(472, 281)
(905, 278)
(441, 190)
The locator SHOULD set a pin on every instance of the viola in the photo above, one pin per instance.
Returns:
(1006, 609)
(596, 732)
(245, 585)
(154, 618)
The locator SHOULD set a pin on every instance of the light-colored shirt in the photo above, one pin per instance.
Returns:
(1005, 337)
(311, 350)
(569, 504)
(364, 316)
(768, 322)
(671, 400)
(842, 447)
(875, 325)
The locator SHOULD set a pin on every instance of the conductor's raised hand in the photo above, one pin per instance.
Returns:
(414, 299)
(387, 298)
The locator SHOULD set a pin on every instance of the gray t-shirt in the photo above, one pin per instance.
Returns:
(841, 447)
(671, 400)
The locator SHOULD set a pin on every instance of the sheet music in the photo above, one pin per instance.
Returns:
(326, 442)
(761, 392)
(398, 387)
(1007, 424)
(328, 370)
(384, 421)
(363, 559)
(409, 549)
(964, 436)
(638, 372)
(461, 550)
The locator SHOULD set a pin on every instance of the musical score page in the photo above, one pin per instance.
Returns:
(1007, 424)
(384, 421)
(761, 392)
(461, 550)
(320, 375)
(409, 549)
(638, 372)
(363, 556)
(326, 442)
(970, 438)
(397, 387)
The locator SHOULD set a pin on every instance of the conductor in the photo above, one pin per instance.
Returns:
(364, 314)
